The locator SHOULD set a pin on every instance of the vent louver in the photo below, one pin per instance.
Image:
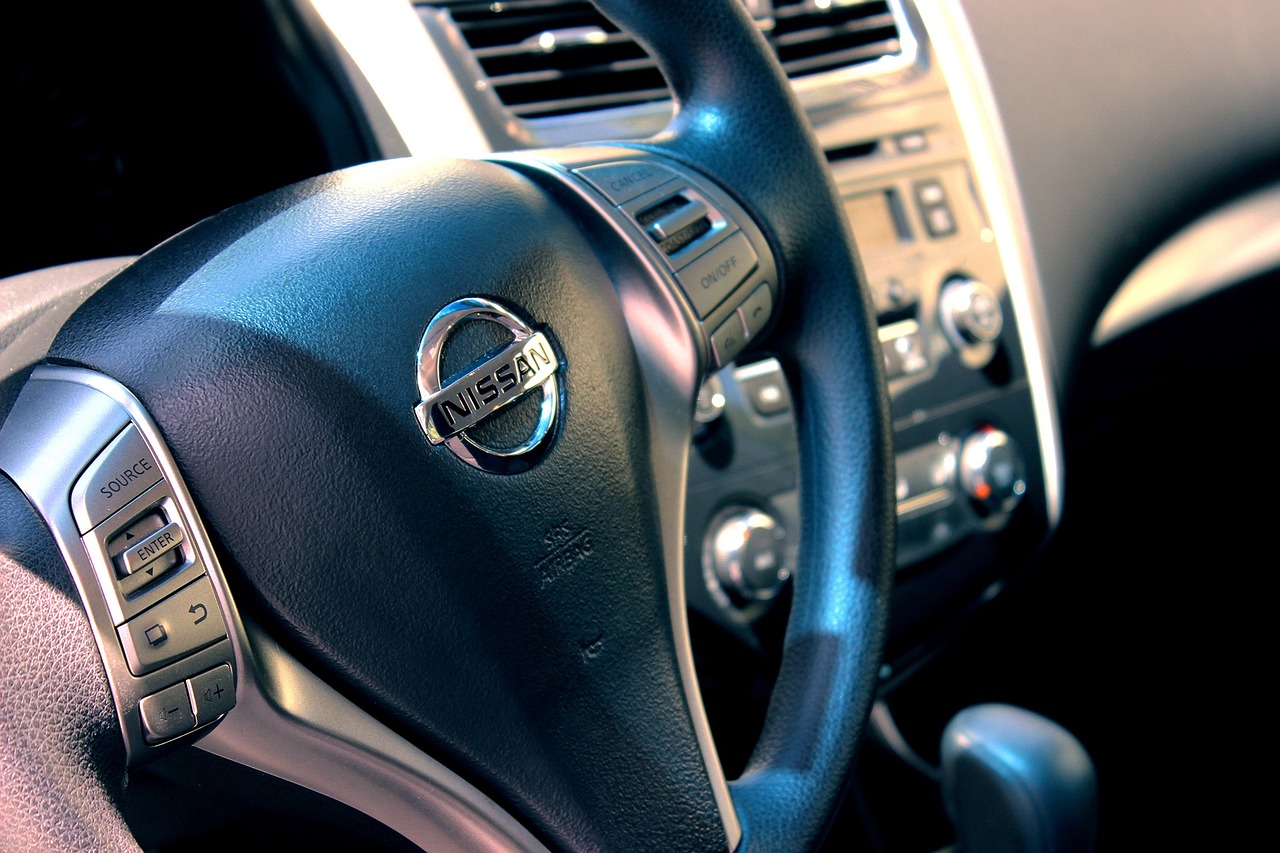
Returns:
(557, 57)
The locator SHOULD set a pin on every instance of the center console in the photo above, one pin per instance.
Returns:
(969, 458)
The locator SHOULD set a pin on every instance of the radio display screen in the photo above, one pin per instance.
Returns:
(878, 220)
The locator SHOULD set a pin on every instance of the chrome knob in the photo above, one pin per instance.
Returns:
(711, 400)
(971, 313)
(991, 471)
(746, 553)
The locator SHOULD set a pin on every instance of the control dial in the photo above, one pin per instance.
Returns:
(971, 313)
(711, 400)
(747, 555)
(991, 471)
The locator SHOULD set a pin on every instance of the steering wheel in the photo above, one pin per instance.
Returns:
(512, 608)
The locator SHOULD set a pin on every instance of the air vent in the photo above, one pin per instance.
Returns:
(558, 57)
(811, 36)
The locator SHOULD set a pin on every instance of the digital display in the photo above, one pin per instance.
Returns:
(878, 220)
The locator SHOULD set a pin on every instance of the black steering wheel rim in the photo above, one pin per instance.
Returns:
(738, 123)
(738, 120)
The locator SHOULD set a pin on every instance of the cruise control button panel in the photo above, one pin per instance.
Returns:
(717, 256)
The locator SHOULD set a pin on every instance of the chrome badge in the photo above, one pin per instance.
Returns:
(448, 408)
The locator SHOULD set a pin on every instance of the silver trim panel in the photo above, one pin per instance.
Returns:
(383, 45)
(34, 305)
(961, 64)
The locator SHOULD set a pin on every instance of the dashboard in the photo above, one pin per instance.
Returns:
(1065, 218)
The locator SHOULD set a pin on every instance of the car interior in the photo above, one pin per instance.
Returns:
(854, 468)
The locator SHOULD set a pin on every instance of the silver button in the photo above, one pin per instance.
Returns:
(151, 547)
(166, 714)
(184, 622)
(930, 193)
(214, 693)
(123, 471)
(712, 276)
(621, 182)
(940, 222)
(756, 310)
(728, 340)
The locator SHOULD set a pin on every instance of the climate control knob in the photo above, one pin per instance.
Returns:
(971, 312)
(746, 552)
(991, 471)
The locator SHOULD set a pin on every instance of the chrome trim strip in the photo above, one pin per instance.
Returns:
(1228, 246)
(387, 46)
(898, 330)
(957, 54)
(289, 723)
(929, 499)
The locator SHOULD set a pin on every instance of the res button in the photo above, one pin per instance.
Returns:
(123, 471)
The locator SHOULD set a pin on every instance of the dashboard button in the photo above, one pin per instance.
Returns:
(123, 471)
(621, 182)
(971, 312)
(747, 554)
(940, 222)
(930, 194)
(992, 472)
(184, 622)
(166, 714)
(764, 387)
(709, 278)
(912, 143)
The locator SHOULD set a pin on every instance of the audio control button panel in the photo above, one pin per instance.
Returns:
(126, 525)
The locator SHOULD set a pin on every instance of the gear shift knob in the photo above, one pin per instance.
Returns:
(1016, 782)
